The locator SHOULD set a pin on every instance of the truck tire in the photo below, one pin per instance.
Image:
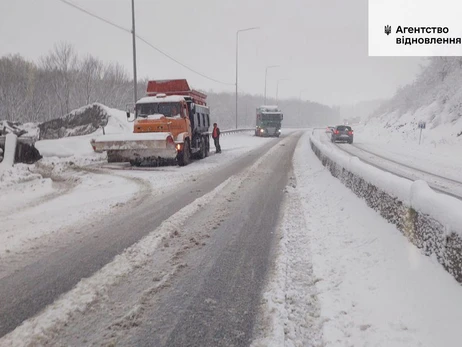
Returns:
(184, 157)
(203, 149)
(207, 146)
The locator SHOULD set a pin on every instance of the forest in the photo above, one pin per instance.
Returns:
(62, 81)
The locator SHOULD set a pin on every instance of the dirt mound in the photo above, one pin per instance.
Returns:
(82, 121)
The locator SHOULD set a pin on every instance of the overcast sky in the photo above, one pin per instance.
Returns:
(321, 45)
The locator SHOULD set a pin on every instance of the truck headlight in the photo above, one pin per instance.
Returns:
(261, 130)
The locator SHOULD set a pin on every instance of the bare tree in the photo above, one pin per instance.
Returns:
(61, 62)
(90, 75)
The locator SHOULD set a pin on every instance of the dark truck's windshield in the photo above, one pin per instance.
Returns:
(270, 119)
(168, 109)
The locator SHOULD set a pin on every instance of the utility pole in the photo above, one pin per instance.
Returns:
(135, 83)
(237, 56)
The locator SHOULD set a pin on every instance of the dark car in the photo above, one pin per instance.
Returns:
(342, 133)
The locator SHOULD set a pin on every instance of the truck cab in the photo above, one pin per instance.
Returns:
(268, 121)
(171, 106)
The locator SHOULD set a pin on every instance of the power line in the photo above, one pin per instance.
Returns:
(180, 63)
(144, 41)
(95, 16)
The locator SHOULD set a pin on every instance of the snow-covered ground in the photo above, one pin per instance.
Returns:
(346, 277)
(433, 154)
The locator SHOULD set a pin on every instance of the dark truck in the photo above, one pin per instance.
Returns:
(269, 119)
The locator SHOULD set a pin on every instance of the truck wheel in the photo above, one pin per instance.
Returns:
(207, 146)
(184, 156)
(202, 149)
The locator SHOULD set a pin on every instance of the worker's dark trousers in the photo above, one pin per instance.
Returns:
(217, 144)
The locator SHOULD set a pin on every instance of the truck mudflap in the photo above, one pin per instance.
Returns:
(137, 147)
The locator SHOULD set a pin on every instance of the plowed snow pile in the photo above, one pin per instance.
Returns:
(66, 147)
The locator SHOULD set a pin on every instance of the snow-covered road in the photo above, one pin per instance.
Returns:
(63, 228)
(230, 211)
(428, 170)
(61, 196)
(195, 242)
(347, 277)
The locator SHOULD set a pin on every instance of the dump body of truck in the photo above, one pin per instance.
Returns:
(171, 123)
(268, 121)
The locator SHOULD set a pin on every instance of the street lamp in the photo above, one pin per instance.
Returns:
(135, 83)
(277, 87)
(237, 55)
(266, 73)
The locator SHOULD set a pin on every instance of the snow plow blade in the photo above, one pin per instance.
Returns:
(149, 148)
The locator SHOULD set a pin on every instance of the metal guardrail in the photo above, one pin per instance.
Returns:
(233, 131)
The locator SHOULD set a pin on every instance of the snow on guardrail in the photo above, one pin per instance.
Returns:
(430, 220)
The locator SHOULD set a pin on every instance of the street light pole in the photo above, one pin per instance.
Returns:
(277, 87)
(237, 65)
(135, 83)
(266, 74)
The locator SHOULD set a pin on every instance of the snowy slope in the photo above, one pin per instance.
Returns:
(435, 97)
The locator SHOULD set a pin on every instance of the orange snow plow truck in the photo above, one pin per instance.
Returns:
(171, 124)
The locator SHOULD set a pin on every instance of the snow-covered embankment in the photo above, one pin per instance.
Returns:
(430, 220)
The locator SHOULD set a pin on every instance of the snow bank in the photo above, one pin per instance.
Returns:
(85, 120)
(373, 287)
(79, 146)
(17, 174)
(432, 221)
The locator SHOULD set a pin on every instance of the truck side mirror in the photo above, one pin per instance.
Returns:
(128, 115)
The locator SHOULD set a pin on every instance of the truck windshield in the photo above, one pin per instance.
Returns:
(270, 118)
(168, 109)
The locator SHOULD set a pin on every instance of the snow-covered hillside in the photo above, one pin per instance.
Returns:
(435, 97)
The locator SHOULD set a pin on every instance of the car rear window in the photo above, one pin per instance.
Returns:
(341, 128)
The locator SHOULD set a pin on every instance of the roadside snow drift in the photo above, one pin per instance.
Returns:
(431, 221)
(83, 121)
(71, 135)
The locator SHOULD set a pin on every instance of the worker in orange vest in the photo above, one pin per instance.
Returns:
(216, 138)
